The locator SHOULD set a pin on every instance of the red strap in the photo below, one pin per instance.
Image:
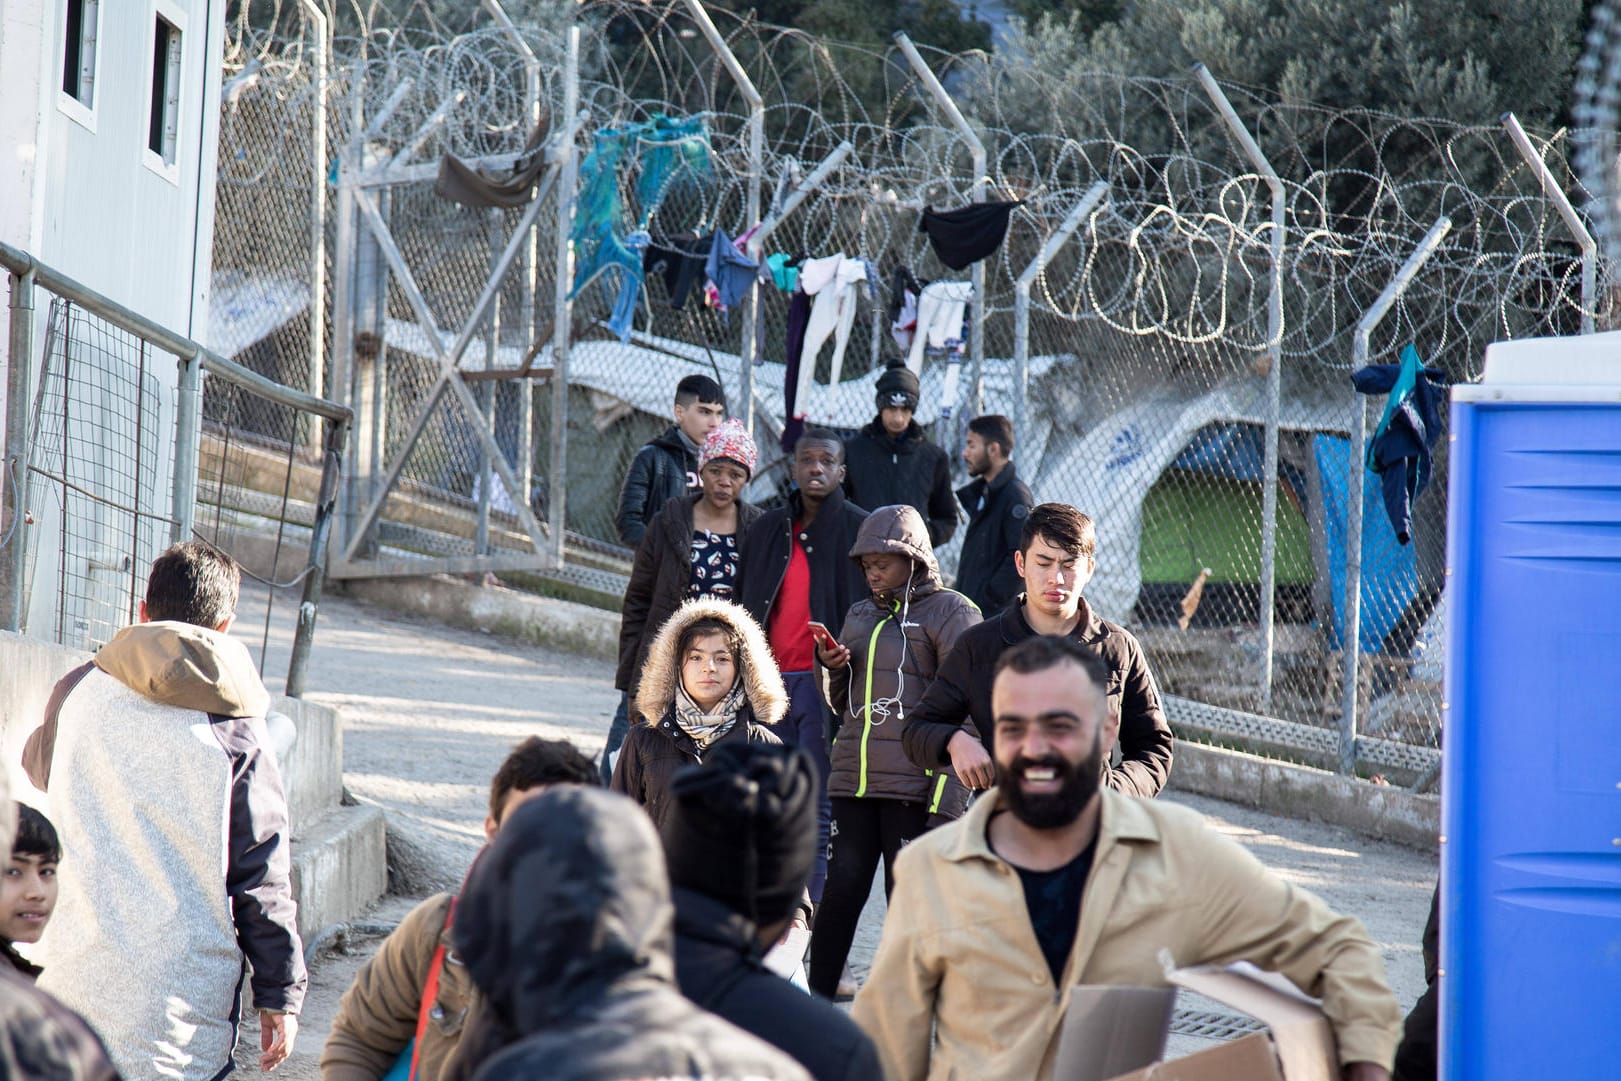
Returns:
(430, 991)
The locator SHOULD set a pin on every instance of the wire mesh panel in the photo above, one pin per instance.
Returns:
(100, 425)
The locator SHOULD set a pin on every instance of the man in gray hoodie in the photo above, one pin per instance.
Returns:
(171, 812)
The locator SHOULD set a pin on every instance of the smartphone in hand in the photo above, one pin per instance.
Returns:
(822, 635)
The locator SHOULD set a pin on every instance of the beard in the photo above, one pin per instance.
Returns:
(1050, 811)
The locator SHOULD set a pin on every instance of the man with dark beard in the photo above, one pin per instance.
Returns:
(1051, 881)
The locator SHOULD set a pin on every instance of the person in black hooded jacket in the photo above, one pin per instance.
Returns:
(565, 926)
(891, 461)
(740, 841)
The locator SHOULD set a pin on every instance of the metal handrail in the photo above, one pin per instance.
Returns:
(20, 262)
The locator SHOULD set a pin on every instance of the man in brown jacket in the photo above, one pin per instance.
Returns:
(378, 1016)
(1051, 881)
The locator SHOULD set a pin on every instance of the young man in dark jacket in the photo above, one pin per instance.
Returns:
(566, 927)
(795, 567)
(1057, 554)
(891, 461)
(667, 467)
(740, 842)
(998, 503)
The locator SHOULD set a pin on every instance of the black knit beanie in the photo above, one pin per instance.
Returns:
(897, 385)
(742, 828)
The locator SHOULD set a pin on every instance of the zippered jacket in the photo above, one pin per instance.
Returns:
(662, 470)
(881, 469)
(896, 647)
(835, 584)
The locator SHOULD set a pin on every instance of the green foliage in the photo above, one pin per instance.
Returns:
(1085, 15)
(940, 23)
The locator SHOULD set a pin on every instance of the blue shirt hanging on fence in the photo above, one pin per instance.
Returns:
(1400, 449)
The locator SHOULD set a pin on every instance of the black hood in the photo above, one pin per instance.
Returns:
(568, 904)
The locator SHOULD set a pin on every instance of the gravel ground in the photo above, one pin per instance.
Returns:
(429, 711)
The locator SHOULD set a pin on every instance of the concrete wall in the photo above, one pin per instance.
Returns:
(339, 865)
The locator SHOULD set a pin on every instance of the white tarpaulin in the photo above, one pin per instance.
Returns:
(243, 310)
(1108, 471)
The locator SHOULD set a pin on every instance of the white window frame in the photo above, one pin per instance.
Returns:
(176, 18)
(80, 112)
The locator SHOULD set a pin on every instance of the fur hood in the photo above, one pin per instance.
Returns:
(762, 683)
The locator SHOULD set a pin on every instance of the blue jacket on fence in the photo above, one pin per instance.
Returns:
(1400, 449)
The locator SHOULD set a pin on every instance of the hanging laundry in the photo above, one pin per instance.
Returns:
(834, 282)
(675, 158)
(942, 309)
(902, 309)
(462, 183)
(730, 270)
(969, 233)
(784, 271)
(799, 309)
(623, 315)
(679, 260)
(1400, 449)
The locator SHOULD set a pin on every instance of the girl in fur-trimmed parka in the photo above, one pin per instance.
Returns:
(889, 649)
(709, 679)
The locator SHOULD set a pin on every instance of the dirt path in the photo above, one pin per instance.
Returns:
(429, 712)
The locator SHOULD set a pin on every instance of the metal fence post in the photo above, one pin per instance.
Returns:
(318, 164)
(187, 424)
(751, 209)
(1573, 220)
(19, 376)
(563, 312)
(976, 146)
(1355, 469)
(1274, 379)
(337, 433)
(1021, 301)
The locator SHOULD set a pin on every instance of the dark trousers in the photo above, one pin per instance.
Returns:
(806, 727)
(618, 729)
(863, 831)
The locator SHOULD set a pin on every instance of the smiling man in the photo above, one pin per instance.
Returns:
(1050, 882)
(1056, 557)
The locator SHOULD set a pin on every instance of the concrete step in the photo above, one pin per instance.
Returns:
(340, 866)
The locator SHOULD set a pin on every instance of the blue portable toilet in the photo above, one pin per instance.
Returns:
(1531, 775)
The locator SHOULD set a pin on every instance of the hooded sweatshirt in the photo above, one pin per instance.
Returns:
(566, 927)
(896, 645)
(171, 813)
(657, 746)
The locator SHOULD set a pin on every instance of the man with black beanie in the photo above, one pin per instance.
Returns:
(740, 841)
(891, 461)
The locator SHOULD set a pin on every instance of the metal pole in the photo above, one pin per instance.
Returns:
(751, 209)
(486, 393)
(1573, 221)
(528, 258)
(343, 301)
(1021, 300)
(187, 418)
(315, 576)
(1274, 380)
(1351, 640)
(19, 376)
(318, 162)
(563, 311)
(976, 147)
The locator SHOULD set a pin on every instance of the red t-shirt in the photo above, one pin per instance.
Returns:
(789, 632)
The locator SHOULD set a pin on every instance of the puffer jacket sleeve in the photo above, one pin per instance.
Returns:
(942, 502)
(631, 520)
(377, 1016)
(836, 685)
(940, 714)
(1145, 736)
(258, 876)
(644, 576)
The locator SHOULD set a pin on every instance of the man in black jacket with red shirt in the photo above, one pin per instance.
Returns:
(1056, 557)
(795, 567)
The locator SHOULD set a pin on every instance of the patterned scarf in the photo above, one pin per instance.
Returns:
(706, 728)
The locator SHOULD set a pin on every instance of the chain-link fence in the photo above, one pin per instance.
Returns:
(1144, 398)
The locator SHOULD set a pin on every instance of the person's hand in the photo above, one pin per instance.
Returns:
(833, 659)
(1365, 1071)
(276, 1034)
(969, 761)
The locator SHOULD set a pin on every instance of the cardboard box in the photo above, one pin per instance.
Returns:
(1111, 1025)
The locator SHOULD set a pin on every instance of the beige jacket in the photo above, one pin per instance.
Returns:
(377, 1017)
(958, 949)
